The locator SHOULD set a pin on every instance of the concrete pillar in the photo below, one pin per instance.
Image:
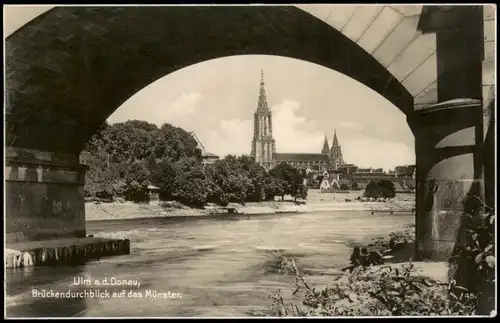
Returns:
(448, 140)
(44, 195)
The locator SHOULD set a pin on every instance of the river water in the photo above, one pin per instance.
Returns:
(215, 267)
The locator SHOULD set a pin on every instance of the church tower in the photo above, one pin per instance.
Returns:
(336, 152)
(263, 144)
(326, 147)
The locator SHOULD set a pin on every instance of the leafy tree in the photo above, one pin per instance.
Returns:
(100, 176)
(140, 138)
(301, 192)
(152, 164)
(387, 188)
(232, 183)
(291, 176)
(164, 177)
(254, 177)
(124, 158)
(136, 182)
(312, 183)
(372, 190)
(125, 140)
(176, 143)
(274, 187)
(141, 125)
(191, 186)
(262, 186)
(354, 185)
(119, 188)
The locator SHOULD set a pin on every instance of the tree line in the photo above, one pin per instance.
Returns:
(125, 158)
(381, 189)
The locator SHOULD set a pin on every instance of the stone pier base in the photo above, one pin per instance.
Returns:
(44, 196)
(448, 139)
(63, 251)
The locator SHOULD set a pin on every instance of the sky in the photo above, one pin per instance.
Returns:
(216, 99)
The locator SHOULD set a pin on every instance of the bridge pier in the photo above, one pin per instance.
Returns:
(44, 195)
(448, 142)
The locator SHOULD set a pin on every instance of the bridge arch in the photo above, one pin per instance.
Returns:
(68, 69)
(71, 67)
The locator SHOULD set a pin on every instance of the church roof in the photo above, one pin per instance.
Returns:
(301, 157)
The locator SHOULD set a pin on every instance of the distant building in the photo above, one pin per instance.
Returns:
(405, 171)
(207, 158)
(346, 171)
(153, 192)
(264, 146)
(403, 177)
(325, 184)
(330, 179)
(313, 170)
(406, 177)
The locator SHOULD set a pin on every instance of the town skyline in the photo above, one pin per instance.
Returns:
(216, 99)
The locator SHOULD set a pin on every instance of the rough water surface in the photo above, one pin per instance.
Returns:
(212, 266)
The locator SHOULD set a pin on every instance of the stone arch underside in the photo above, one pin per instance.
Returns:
(70, 68)
(391, 34)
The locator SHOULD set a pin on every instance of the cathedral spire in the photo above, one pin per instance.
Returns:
(335, 140)
(262, 105)
(263, 144)
(326, 147)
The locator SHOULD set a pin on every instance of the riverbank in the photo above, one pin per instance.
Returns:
(403, 289)
(316, 202)
(400, 288)
(127, 210)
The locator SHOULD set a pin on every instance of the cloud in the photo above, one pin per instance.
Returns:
(294, 133)
(352, 126)
(232, 136)
(377, 153)
(186, 104)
